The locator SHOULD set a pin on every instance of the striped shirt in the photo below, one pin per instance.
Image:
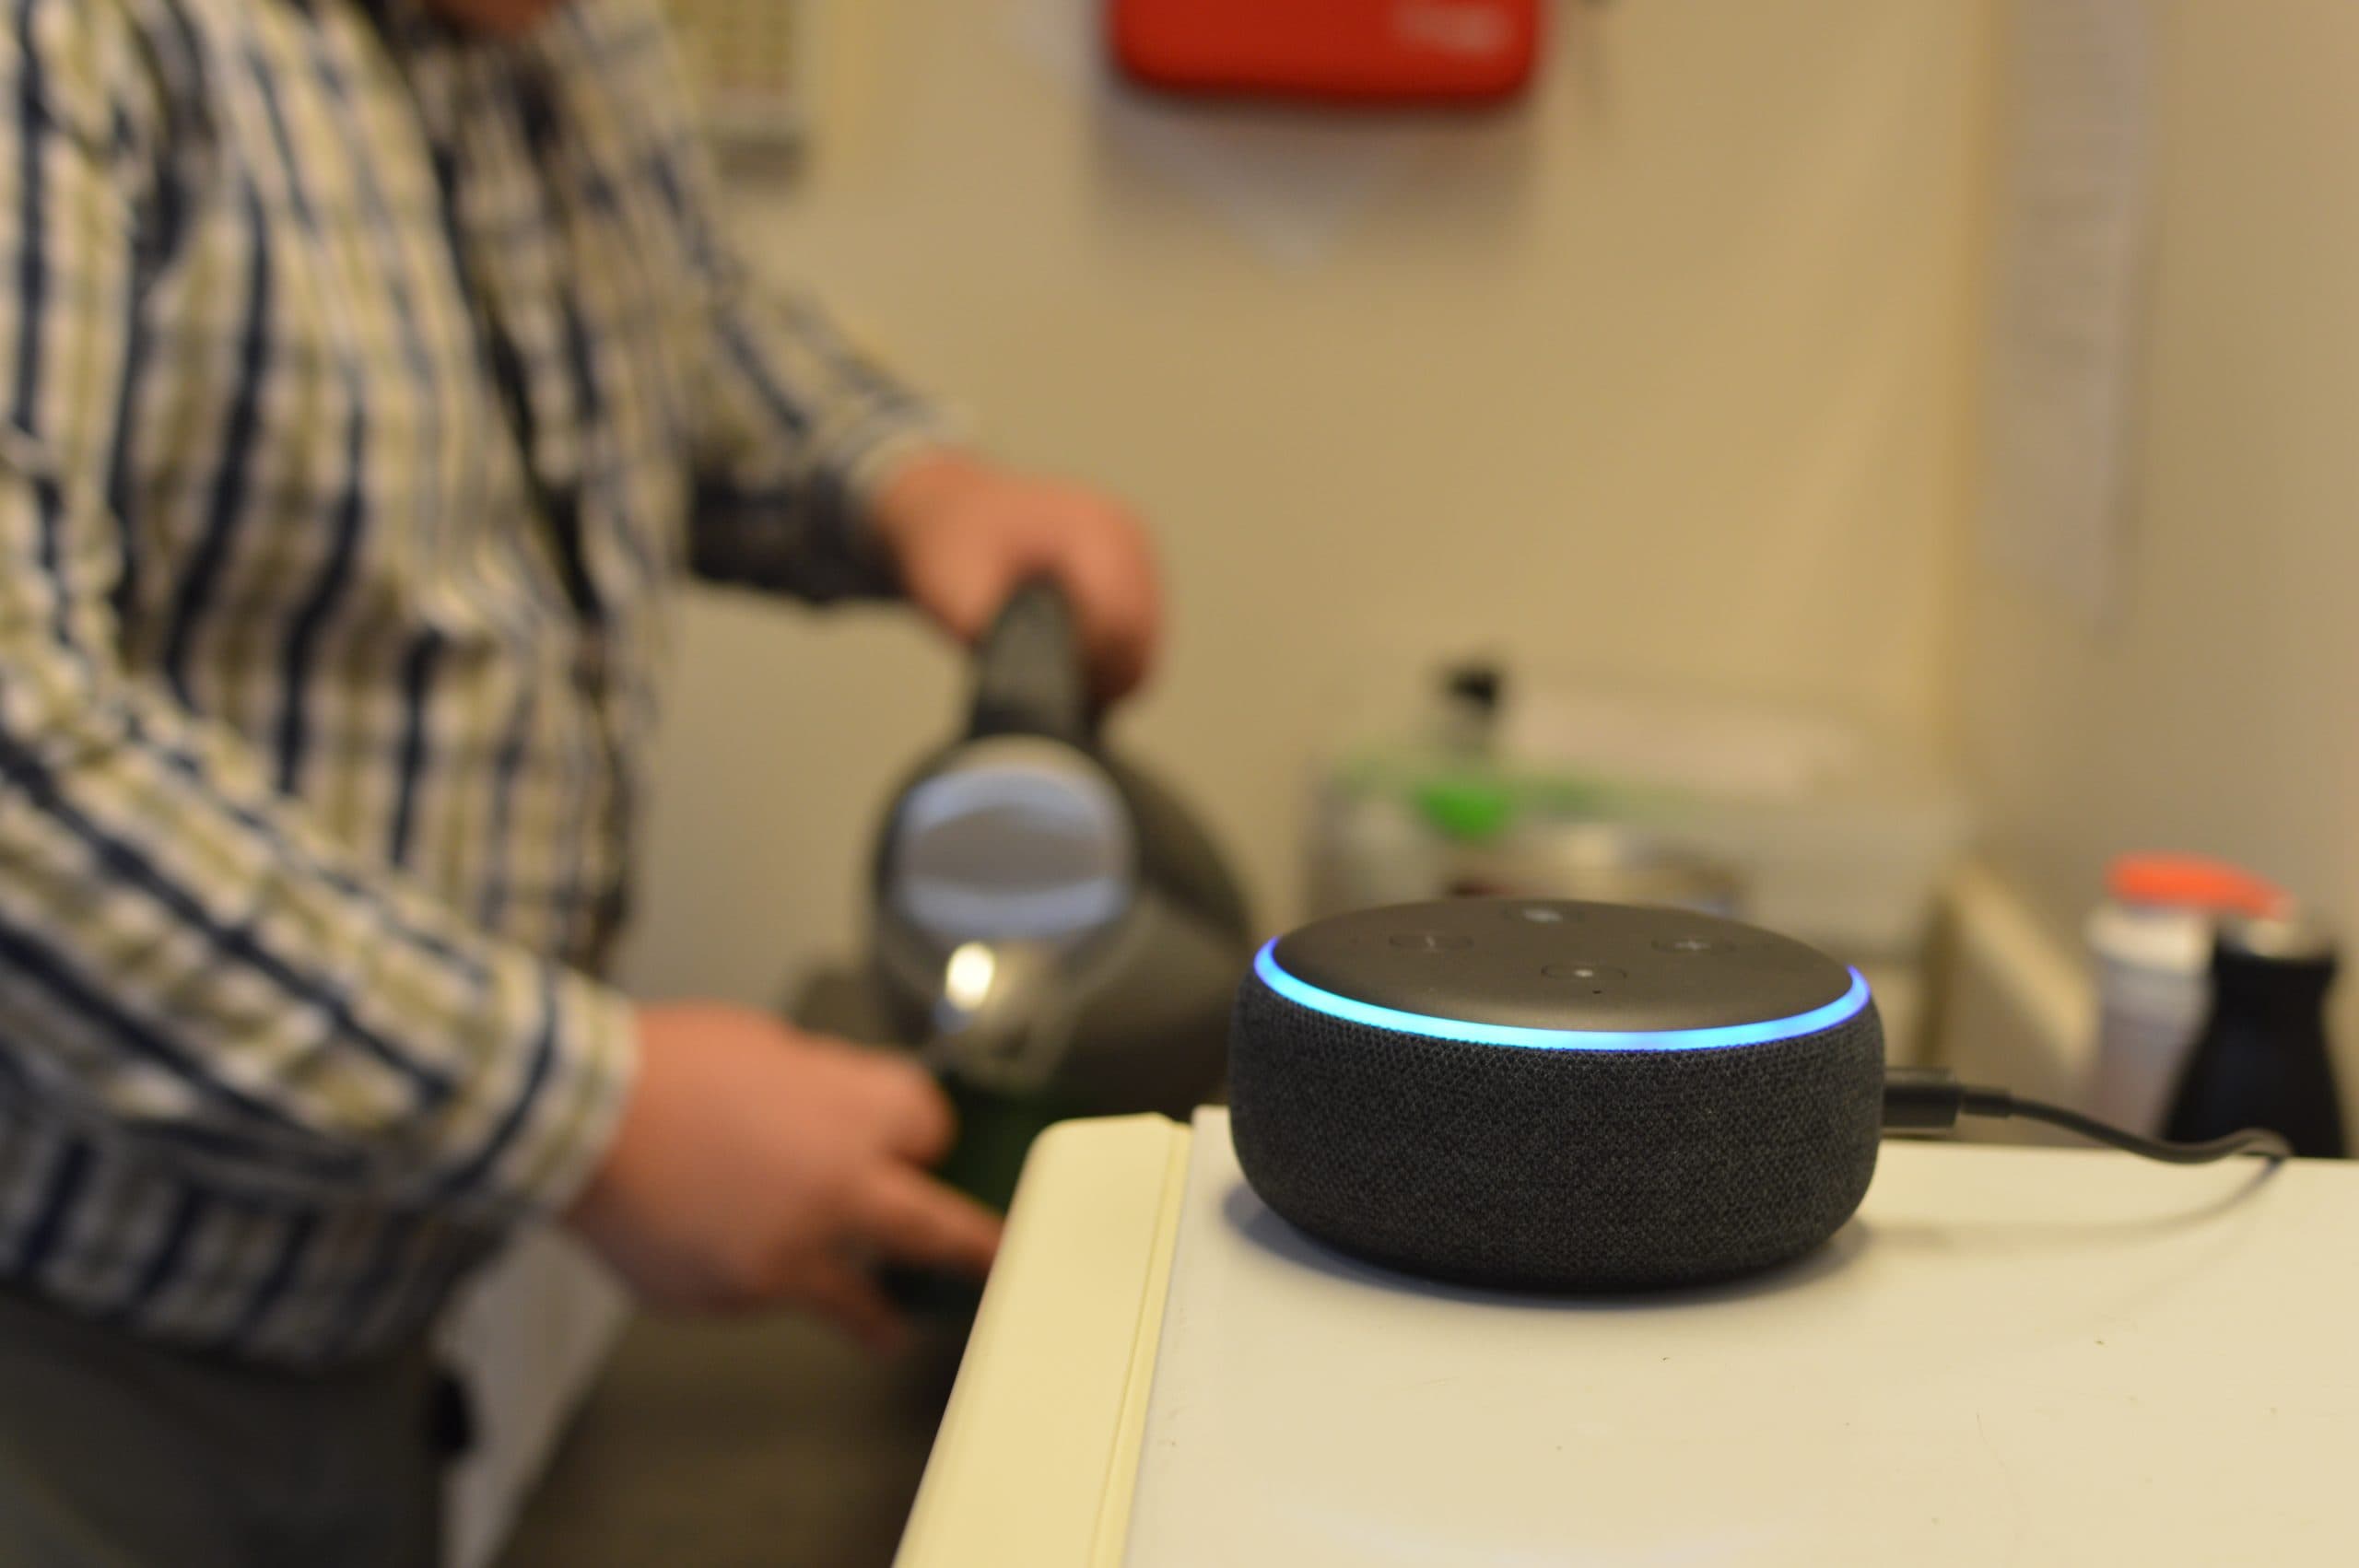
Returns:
(365, 385)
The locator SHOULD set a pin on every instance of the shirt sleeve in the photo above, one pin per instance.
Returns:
(189, 965)
(793, 426)
(795, 431)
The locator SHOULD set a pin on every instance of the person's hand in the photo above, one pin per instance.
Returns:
(965, 534)
(757, 1166)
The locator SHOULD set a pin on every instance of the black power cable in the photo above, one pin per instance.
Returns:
(1930, 1099)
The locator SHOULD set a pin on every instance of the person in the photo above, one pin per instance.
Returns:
(370, 369)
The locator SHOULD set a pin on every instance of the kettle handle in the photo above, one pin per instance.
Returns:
(1029, 676)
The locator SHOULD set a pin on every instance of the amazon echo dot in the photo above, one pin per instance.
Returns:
(1555, 1095)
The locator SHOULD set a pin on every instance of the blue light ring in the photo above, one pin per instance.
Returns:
(1304, 994)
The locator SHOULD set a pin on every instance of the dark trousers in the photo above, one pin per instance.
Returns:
(115, 1453)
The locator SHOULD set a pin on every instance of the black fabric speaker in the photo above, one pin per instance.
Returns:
(1555, 1095)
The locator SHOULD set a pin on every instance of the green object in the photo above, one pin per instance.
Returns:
(995, 1132)
(1477, 802)
(1471, 810)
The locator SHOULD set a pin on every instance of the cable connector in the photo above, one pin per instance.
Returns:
(1930, 1101)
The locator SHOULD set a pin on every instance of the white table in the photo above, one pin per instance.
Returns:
(2013, 1356)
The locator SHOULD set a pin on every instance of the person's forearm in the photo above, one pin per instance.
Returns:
(790, 428)
(797, 435)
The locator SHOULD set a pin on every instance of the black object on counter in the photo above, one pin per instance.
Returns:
(2262, 1058)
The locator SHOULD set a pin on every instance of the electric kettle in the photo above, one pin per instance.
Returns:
(1049, 925)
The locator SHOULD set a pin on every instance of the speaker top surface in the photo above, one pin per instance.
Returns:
(1557, 973)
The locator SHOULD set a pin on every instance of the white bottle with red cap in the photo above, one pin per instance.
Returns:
(2152, 939)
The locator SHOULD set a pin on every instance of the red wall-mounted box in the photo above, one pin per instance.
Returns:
(1369, 52)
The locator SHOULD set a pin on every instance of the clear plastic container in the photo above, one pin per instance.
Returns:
(1833, 836)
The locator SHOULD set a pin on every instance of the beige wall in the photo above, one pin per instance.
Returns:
(2221, 710)
(1665, 375)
